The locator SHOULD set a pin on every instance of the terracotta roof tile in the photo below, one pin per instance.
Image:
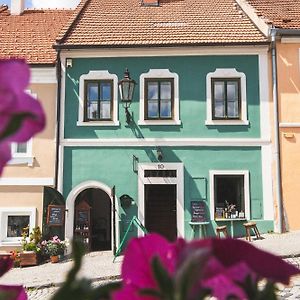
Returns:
(281, 13)
(173, 22)
(32, 34)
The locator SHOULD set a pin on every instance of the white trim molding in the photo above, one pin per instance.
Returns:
(178, 180)
(19, 181)
(43, 75)
(208, 142)
(15, 211)
(70, 208)
(245, 173)
(226, 73)
(98, 75)
(289, 125)
(159, 73)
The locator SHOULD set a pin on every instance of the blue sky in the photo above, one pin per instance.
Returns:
(46, 3)
(27, 2)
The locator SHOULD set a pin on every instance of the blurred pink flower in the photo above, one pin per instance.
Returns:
(10, 292)
(227, 263)
(21, 116)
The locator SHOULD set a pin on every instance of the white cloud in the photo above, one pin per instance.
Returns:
(55, 3)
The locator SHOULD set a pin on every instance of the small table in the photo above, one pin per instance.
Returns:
(231, 223)
(202, 228)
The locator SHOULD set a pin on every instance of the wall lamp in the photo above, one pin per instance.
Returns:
(69, 62)
(126, 87)
(159, 154)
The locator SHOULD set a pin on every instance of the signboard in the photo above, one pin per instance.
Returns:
(83, 216)
(56, 215)
(198, 211)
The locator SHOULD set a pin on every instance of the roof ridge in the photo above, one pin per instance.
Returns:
(69, 25)
(3, 7)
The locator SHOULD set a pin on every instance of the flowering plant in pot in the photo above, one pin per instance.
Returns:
(54, 248)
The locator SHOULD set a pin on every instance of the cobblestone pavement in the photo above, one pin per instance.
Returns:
(290, 293)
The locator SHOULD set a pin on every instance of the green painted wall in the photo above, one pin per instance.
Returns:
(113, 166)
(192, 71)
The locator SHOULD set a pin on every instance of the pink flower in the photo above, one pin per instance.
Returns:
(220, 265)
(21, 116)
(10, 292)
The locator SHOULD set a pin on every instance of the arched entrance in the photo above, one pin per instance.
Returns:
(92, 220)
(99, 193)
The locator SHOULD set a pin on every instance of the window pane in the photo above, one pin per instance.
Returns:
(92, 110)
(152, 109)
(105, 91)
(233, 109)
(104, 110)
(232, 90)
(165, 109)
(165, 90)
(219, 90)
(219, 109)
(21, 148)
(152, 90)
(15, 225)
(92, 91)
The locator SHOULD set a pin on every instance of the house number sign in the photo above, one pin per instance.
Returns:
(160, 166)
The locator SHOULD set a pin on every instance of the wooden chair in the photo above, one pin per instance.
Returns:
(248, 227)
(222, 229)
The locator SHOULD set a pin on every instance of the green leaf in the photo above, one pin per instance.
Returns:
(163, 279)
(268, 292)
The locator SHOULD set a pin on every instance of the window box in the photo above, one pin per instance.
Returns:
(28, 258)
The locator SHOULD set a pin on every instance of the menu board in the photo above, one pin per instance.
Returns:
(198, 211)
(83, 216)
(56, 215)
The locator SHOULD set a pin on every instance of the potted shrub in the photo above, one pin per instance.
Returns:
(54, 248)
(31, 247)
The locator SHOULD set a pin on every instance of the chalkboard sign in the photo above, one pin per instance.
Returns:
(198, 211)
(56, 215)
(83, 216)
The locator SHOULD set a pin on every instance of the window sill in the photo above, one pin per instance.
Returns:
(159, 122)
(226, 122)
(6, 243)
(98, 124)
(22, 161)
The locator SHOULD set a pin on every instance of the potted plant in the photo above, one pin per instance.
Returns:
(30, 246)
(54, 248)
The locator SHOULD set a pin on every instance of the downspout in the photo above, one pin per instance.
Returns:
(58, 97)
(274, 32)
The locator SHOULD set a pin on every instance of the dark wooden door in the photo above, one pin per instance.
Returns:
(160, 210)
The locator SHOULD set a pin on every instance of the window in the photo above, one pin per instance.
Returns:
(226, 98)
(21, 153)
(98, 99)
(12, 222)
(229, 194)
(159, 98)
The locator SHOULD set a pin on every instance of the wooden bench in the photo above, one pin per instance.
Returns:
(248, 227)
(222, 229)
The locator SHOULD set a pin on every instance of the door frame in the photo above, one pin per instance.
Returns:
(70, 209)
(178, 180)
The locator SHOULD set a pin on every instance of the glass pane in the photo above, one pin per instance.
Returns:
(165, 109)
(232, 90)
(165, 90)
(233, 109)
(104, 110)
(21, 148)
(15, 225)
(92, 111)
(152, 90)
(92, 91)
(219, 109)
(219, 90)
(105, 91)
(152, 109)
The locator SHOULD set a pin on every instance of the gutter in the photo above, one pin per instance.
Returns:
(273, 33)
(58, 108)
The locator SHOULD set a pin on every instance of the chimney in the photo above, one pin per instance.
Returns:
(150, 2)
(17, 7)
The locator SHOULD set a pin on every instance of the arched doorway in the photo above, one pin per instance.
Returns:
(92, 220)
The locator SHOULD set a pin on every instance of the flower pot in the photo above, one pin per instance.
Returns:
(54, 259)
(28, 258)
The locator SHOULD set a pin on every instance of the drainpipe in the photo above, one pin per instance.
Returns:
(274, 32)
(58, 97)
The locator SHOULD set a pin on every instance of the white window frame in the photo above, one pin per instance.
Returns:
(159, 73)
(245, 173)
(15, 211)
(226, 73)
(98, 75)
(22, 158)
